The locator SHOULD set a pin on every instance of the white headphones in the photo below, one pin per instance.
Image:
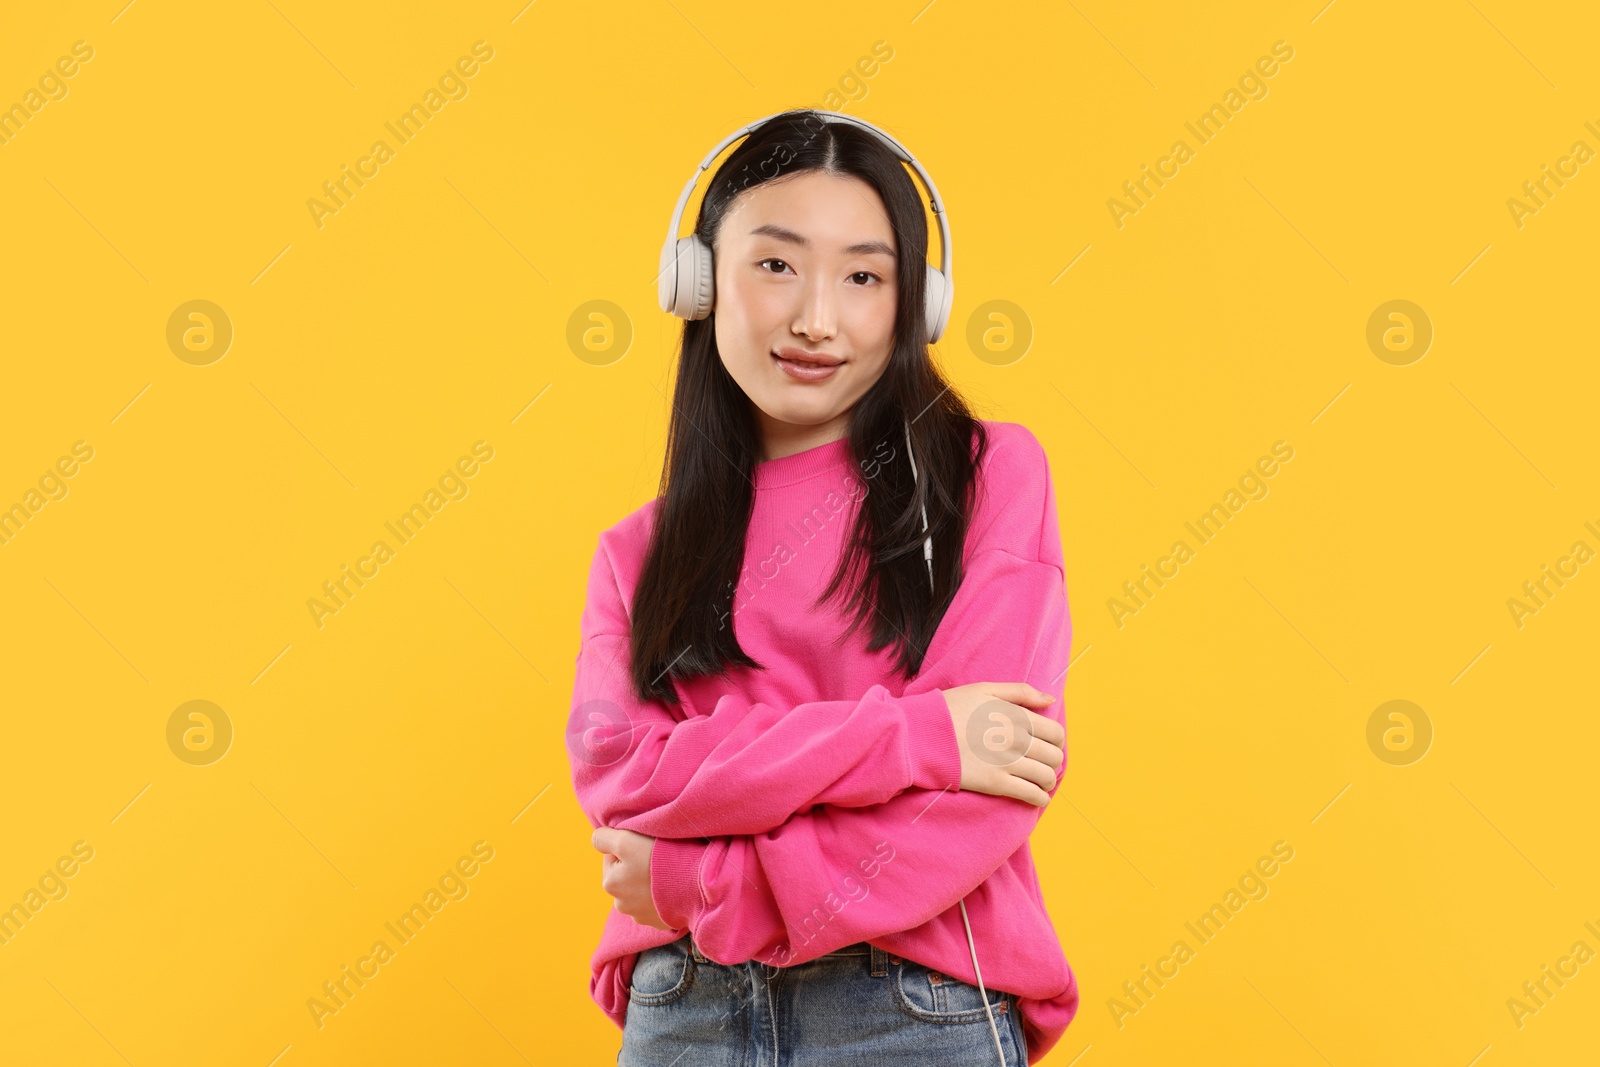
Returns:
(686, 285)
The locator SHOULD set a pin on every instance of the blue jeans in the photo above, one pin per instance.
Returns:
(857, 1006)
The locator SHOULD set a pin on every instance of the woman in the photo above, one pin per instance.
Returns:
(809, 746)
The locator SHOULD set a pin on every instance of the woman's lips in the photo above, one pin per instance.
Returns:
(804, 371)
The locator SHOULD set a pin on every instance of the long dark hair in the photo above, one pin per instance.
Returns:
(683, 603)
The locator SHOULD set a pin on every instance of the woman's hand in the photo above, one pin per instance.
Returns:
(625, 873)
(1006, 749)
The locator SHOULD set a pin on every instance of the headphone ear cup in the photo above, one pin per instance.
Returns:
(701, 278)
(667, 276)
(684, 287)
(936, 305)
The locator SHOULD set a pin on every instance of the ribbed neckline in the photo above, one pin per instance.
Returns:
(789, 470)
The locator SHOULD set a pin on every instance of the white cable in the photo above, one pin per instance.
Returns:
(927, 552)
(927, 544)
(981, 992)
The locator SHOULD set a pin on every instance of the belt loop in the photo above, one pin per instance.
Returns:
(880, 962)
(694, 950)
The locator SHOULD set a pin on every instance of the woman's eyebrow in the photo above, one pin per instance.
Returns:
(861, 248)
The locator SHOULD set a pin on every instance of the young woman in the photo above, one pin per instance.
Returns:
(811, 749)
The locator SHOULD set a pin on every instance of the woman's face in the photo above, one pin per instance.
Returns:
(805, 266)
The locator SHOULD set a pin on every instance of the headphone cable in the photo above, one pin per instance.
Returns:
(927, 554)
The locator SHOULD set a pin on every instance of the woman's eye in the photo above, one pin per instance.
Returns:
(860, 277)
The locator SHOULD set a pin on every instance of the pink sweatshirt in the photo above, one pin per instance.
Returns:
(816, 803)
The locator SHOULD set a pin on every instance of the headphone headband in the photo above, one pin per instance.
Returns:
(685, 282)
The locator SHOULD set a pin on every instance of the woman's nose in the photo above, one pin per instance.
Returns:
(816, 316)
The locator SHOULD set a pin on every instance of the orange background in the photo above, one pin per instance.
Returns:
(347, 360)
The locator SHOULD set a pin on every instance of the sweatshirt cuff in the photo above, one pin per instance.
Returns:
(675, 880)
(934, 757)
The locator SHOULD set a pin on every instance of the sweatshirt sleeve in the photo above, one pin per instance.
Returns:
(745, 766)
(830, 877)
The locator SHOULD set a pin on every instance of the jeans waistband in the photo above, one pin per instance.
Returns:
(879, 959)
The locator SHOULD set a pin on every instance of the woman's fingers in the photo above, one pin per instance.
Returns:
(1022, 778)
(1023, 789)
(1048, 729)
(1007, 749)
(1039, 774)
(1019, 693)
(1049, 740)
(1049, 736)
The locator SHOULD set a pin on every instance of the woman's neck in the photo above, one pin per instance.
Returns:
(780, 439)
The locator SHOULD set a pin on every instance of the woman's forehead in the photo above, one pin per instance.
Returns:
(814, 210)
